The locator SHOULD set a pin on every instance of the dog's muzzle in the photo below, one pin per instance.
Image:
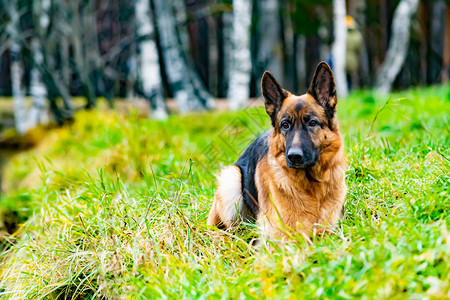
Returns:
(297, 159)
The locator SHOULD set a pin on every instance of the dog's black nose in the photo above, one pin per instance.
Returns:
(295, 156)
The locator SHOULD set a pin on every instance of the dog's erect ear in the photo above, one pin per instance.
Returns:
(273, 94)
(323, 88)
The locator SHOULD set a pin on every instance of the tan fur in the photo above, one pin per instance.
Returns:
(301, 202)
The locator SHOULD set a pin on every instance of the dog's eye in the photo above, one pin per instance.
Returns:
(285, 125)
(312, 123)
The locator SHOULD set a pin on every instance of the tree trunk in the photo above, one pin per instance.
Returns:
(20, 109)
(224, 49)
(437, 29)
(287, 48)
(269, 49)
(65, 66)
(213, 54)
(240, 60)
(445, 72)
(423, 50)
(81, 54)
(339, 47)
(199, 87)
(398, 45)
(149, 69)
(357, 8)
(55, 84)
(300, 62)
(15, 49)
(38, 111)
(384, 26)
(175, 66)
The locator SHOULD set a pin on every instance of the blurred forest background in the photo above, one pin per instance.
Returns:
(59, 56)
(101, 199)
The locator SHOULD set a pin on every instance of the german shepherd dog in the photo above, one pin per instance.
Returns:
(291, 179)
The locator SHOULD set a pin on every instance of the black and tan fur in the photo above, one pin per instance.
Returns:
(292, 177)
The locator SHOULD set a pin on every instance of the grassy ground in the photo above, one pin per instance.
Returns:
(116, 205)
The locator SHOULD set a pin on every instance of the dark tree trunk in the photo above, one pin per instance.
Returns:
(270, 43)
(357, 8)
(81, 51)
(175, 65)
(437, 38)
(446, 59)
(148, 63)
(424, 24)
(200, 90)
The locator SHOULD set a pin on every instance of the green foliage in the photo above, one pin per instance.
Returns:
(116, 207)
(305, 15)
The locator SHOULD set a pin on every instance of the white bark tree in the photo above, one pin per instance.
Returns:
(339, 47)
(49, 23)
(398, 45)
(148, 66)
(38, 90)
(240, 59)
(15, 49)
(24, 119)
(20, 109)
(175, 66)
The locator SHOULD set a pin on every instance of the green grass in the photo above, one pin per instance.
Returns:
(116, 205)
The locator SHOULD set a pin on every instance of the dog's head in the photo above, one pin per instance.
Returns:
(304, 126)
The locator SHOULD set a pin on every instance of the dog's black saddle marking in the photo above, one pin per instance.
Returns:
(247, 163)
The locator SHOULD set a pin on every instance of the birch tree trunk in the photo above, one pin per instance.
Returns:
(149, 70)
(81, 54)
(175, 66)
(339, 47)
(45, 60)
(16, 69)
(20, 109)
(38, 90)
(240, 60)
(398, 45)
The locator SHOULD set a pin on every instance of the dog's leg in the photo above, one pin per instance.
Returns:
(331, 208)
(228, 205)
